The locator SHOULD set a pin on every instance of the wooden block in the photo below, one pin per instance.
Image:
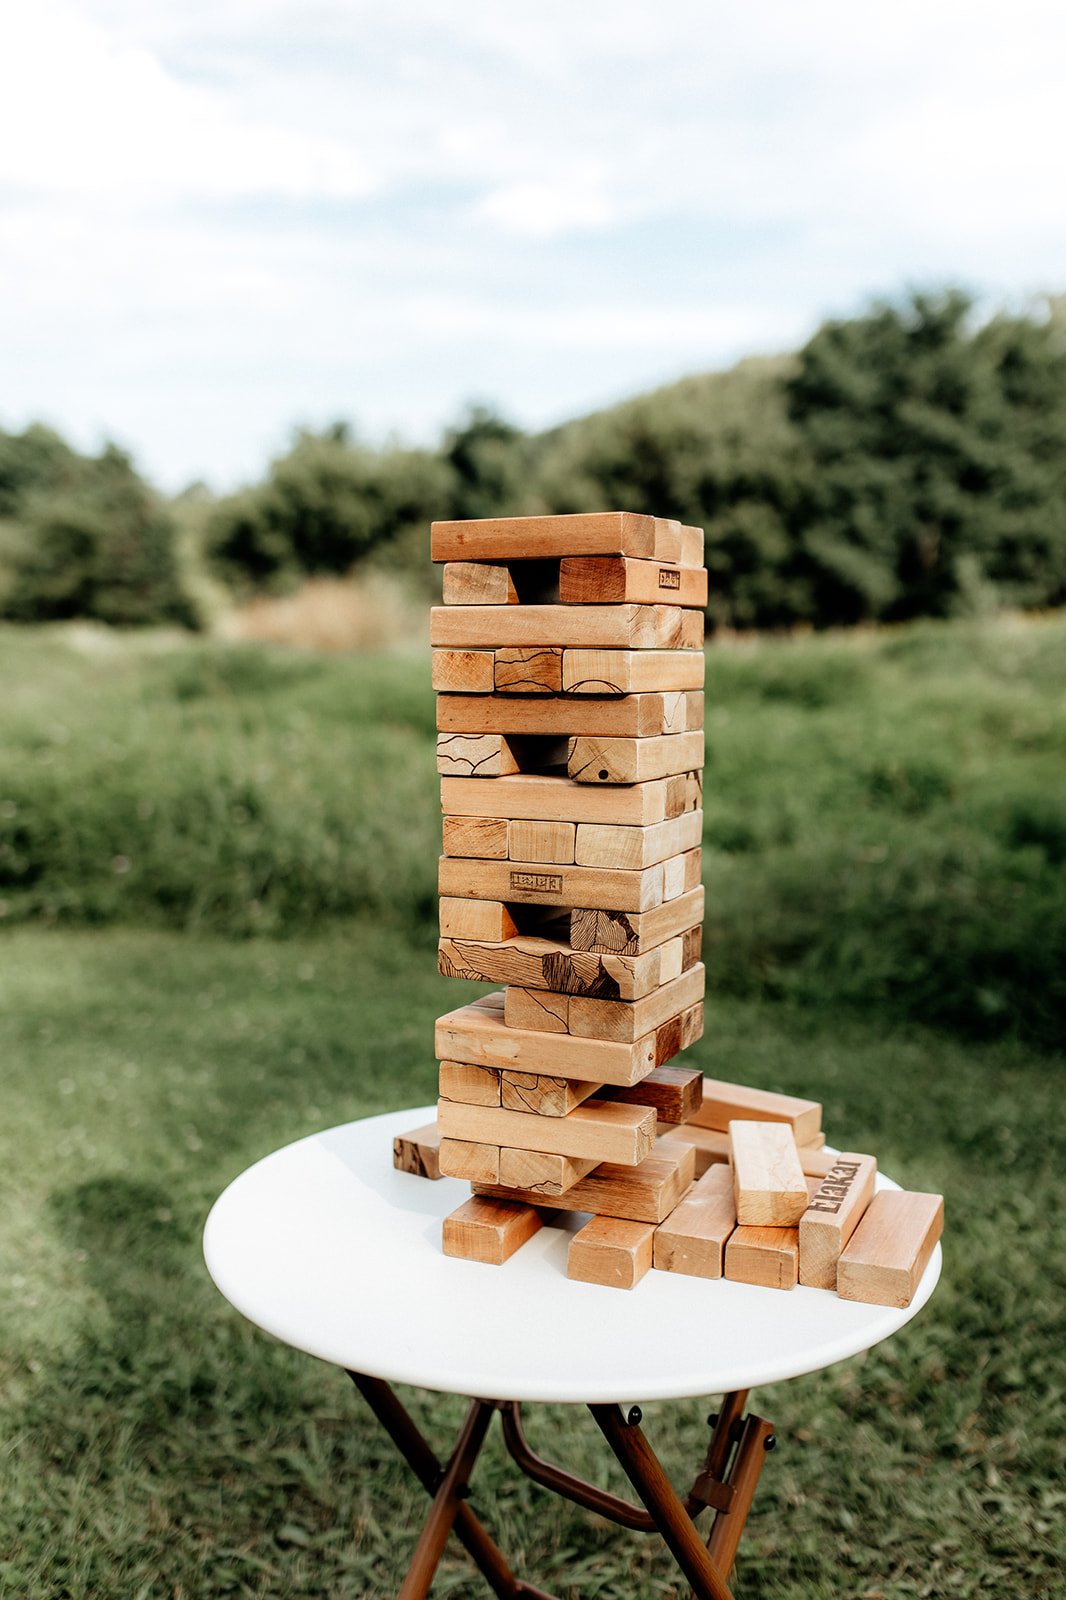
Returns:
(692, 949)
(691, 546)
(681, 873)
(484, 837)
(617, 672)
(475, 919)
(626, 627)
(647, 1192)
(542, 841)
(603, 580)
(767, 1257)
(711, 1146)
(542, 1094)
(542, 963)
(528, 671)
(677, 1034)
(724, 1103)
(459, 1080)
(883, 1262)
(767, 1175)
(549, 538)
(832, 1215)
(631, 716)
(632, 1019)
(600, 844)
(485, 755)
(539, 883)
(536, 1008)
(595, 1131)
(478, 583)
(418, 1152)
(672, 1092)
(629, 933)
(474, 1163)
(592, 759)
(535, 797)
(611, 1251)
(692, 1239)
(488, 1230)
(462, 671)
(551, 1178)
(473, 1034)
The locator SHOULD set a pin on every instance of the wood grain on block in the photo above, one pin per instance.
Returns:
(672, 1093)
(692, 1239)
(595, 1131)
(459, 1080)
(617, 672)
(692, 542)
(542, 1094)
(632, 716)
(529, 670)
(611, 1251)
(542, 841)
(418, 1151)
(724, 1103)
(537, 798)
(632, 933)
(549, 1177)
(631, 1019)
(537, 1008)
(832, 1215)
(462, 671)
(593, 759)
(484, 837)
(767, 1175)
(484, 755)
(477, 583)
(691, 946)
(712, 1146)
(474, 1163)
(883, 1261)
(473, 1034)
(461, 918)
(626, 627)
(541, 883)
(677, 1034)
(767, 1257)
(647, 1192)
(600, 844)
(611, 580)
(681, 873)
(602, 533)
(542, 963)
(488, 1230)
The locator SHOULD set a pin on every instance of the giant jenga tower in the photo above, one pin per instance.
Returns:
(568, 664)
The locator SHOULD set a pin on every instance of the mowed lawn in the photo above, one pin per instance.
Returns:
(216, 871)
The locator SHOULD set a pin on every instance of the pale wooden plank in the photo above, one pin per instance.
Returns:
(595, 1131)
(477, 583)
(488, 1230)
(767, 1257)
(538, 883)
(626, 627)
(542, 841)
(647, 1192)
(692, 1240)
(461, 1080)
(634, 715)
(549, 1177)
(461, 918)
(631, 1019)
(692, 543)
(418, 1151)
(483, 837)
(473, 1163)
(613, 580)
(883, 1261)
(725, 1102)
(767, 1175)
(617, 672)
(600, 844)
(553, 537)
(595, 759)
(611, 1251)
(613, 932)
(832, 1215)
(472, 1033)
(537, 797)
(462, 671)
(536, 1008)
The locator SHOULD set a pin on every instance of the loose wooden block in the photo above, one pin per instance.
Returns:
(625, 627)
(832, 1215)
(551, 1178)
(477, 583)
(536, 1008)
(724, 1103)
(536, 797)
(691, 546)
(692, 1239)
(418, 1151)
(473, 1034)
(681, 873)
(474, 1163)
(543, 963)
(600, 844)
(539, 883)
(629, 933)
(593, 759)
(484, 837)
(677, 1034)
(542, 841)
(767, 1257)
(647, 1192)
(672, 1092)
(883, 1262)
(599, 580)
(618, 672)
(631, 716)
(459, 1080)
(485, 755)
(550, 538)
(543, 1095)
(462, 671)
(595, 1131)
(488, 1230)
(712, 1146)
(632, 1019)
(530, 670)
(767, 1176)
(611, 1251)
(461, 918)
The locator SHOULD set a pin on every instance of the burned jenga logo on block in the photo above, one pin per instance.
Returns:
(540, 882)
(669, 578)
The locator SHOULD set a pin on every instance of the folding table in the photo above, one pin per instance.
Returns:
(324, 1245)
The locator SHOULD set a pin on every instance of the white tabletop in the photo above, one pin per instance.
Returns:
(324, 1245)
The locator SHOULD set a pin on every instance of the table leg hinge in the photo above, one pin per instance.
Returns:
(711, 1491)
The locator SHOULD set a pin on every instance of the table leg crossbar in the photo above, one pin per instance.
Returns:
(725, 1483)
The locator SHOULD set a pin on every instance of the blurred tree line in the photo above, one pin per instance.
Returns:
(910, 461)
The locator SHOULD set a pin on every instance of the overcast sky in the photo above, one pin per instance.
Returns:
(219, 218)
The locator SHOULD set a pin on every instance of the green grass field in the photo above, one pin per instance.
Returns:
(216, 875)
